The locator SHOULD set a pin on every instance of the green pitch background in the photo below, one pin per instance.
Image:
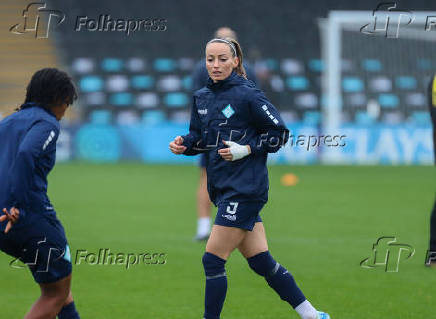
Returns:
(319, 229)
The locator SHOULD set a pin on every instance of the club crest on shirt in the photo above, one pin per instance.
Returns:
(228, 111)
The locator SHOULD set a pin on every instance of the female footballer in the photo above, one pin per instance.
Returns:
(29, 228)
(237, 126)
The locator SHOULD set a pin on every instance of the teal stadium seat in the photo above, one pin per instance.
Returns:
(112, 65)
(176, 99)
(91, 83)
(388, 100)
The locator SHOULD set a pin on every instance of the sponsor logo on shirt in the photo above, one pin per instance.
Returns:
(202, 111)
(228, 111)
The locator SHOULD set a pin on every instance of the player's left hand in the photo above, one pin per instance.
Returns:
(12, 216)
(234, 152)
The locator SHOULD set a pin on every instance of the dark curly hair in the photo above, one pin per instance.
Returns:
(49, 87)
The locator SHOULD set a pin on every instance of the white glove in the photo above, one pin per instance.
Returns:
(237, 151)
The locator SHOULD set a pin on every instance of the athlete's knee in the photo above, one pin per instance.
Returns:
(58, 291)
(213, 265)
(262, 264)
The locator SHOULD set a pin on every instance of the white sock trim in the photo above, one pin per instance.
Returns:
(306, 310)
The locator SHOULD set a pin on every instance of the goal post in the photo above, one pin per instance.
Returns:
(349, 42)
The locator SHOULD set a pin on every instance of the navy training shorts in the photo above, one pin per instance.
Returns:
(42, 246)
(239, 214)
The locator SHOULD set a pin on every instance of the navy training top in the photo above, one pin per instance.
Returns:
(234, 109)
(28, 152)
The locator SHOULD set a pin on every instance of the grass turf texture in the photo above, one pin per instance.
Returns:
(319, 229)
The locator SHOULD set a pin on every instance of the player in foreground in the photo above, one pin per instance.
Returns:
(237, 127)
(29, 228)
(199, 79)
(431, 256)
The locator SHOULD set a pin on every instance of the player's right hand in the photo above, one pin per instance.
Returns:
(176, 146)
(12, 216)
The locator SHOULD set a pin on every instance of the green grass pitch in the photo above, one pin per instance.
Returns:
(319, 229)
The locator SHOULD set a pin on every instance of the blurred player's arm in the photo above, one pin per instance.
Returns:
(34, 145)
(273, 133)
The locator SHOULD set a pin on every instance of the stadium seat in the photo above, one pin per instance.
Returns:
(95, 98)
(112, 65)
(352, 84)
(363, 118)
(380, 84)
(147, 100)
(83, 65)
(100, 117)
(121, 99)
(117, 83)
(169, 83)
(176, 99)
(136, 65)
(406, 83)
(388, 100)
(187, 82)
(297, 83)
(164, 65)
(371, 65)
(316, 65)
(312, 118)
(142, 82)
(306, 100)
(291, 66)
(91, 83)
(153, 117)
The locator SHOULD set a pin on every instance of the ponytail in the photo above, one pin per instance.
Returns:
(240, 70)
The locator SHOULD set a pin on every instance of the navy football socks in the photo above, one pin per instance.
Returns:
(69, 312)
(277, 278)
(216, 285)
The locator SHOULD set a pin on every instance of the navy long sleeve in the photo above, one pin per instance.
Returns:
(272, 131)
(193, 139)
(25, 184)
(28, 153)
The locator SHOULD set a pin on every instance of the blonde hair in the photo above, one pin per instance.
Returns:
(236, 50)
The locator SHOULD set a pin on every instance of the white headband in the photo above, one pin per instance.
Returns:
(225, 41)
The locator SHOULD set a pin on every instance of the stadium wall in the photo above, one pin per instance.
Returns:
(378, 144)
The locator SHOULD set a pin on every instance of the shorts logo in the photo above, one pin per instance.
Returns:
(228, 111)
(231, 211)
(230, 217)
